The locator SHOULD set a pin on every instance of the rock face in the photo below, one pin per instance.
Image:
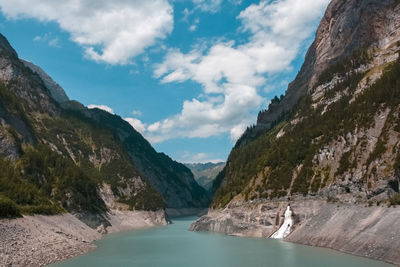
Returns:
(357, 229)
(333, 138)
(205, 173)
(257, 218)
(341, 139)
(346, 27)
(56, 91)
(364, 231)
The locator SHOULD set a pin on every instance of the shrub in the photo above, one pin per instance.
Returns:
(8, 208)
(395, 200)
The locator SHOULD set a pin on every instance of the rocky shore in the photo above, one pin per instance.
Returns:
(41, 240)
(352, 228)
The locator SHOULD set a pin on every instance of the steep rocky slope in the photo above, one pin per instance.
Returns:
(205, 173)
(56, 91)
(333, 138)
(56, 155)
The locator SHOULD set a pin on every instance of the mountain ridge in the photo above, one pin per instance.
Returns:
(39, 125)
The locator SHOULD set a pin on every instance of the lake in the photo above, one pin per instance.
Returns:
(175, 246)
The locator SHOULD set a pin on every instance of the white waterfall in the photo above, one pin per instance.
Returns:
(284, 230)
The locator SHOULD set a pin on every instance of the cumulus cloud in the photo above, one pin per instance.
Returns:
(137, 124)
(102, 107)
(109, 31)
(232, 75)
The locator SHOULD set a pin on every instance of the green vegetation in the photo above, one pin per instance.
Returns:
(344, 164)
(395, 200)
(378, 151)
(342, 67)
(146, 199)
(42, 181)
(303, 140)
(8, 208)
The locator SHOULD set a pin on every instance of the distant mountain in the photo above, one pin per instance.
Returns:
(57, 155)
(205, 173)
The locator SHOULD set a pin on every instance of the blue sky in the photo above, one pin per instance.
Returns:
(190, 75)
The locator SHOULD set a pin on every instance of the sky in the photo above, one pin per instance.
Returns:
(189, 75)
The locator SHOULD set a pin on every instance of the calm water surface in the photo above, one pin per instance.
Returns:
(175, 246)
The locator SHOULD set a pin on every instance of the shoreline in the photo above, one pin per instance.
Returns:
(357, 230)
(40, 240)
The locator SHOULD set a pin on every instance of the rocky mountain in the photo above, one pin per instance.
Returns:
(337, 119)
(56, 91)
(56, 155)
(333, 138)
(205, 173)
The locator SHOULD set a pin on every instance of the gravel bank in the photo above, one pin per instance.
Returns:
(42, 240)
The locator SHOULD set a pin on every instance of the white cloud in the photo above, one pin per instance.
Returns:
(237, 131)
(48, 38)
(232, 75)
(137, 124)
(211, 6)
(136, 113)
(186, 14)
(236, 2)
(154, 127)
(188, 157)
(54, 42)
(102, 107)
(109, 31)
(193, 27)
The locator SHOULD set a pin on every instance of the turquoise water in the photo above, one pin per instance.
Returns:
(175, 246)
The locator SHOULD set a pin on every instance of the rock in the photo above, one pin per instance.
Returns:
(101, 229)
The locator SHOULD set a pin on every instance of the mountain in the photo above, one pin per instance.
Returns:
(57, 155)
(330, 147)
(56, 91)
(205, 173)
(336, 118)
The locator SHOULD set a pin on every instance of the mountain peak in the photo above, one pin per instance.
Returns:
(56, 91)
(5, 48)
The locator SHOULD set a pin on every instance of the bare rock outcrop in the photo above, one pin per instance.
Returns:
(357, 229)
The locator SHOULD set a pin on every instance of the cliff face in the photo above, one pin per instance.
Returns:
(56, 155)
(333, 138)
(56, 91)
(346, 27)
(335, 126)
